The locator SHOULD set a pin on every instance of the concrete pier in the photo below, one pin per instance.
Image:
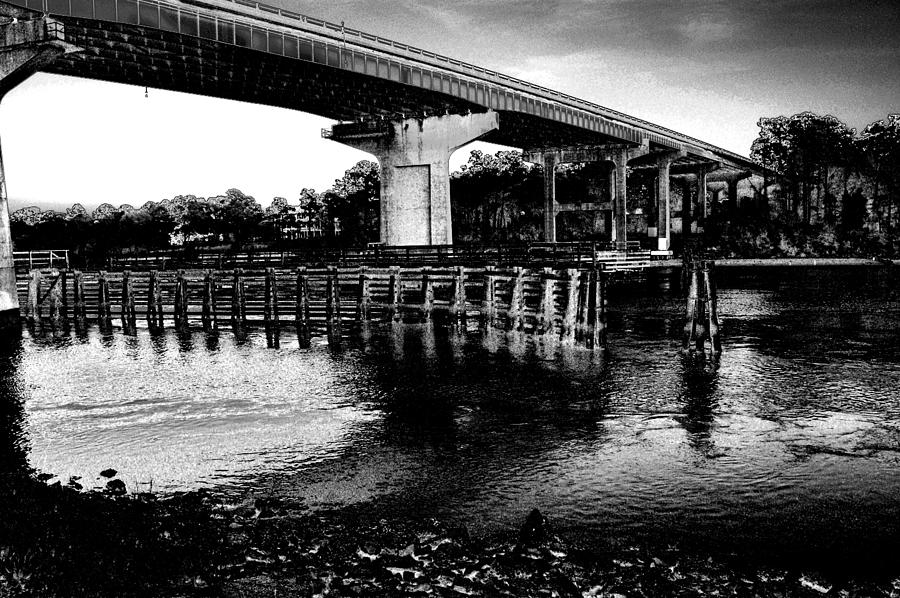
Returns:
(414, 155)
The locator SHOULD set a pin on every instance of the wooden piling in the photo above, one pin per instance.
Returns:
(599, 313)
(489, 303)
(103, 308)
(54, 296)
(301, 315)
(365, 299)
(128, 309)
(458, 298)
(582, 333)
(154, 301)
(270, 311)
(547, 309)
(78, 296)
(395, 290)
(693, 337)
(571, 313)
(516, 315)
(427, 293)
(333, 306)
(181, 301)
(32, 306)
(208, 314)
(708, 269)
(238, 300)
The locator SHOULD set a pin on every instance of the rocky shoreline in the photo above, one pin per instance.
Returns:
(62, 541)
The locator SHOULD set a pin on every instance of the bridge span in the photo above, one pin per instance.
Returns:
(408, 107)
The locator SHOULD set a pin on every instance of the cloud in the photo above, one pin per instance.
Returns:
(705, 29)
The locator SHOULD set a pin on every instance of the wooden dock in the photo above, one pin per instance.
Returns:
(564, 304)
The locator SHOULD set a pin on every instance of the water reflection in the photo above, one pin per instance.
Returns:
(796, 428)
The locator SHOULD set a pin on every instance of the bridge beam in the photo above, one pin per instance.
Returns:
(25, 46)
(414, 157)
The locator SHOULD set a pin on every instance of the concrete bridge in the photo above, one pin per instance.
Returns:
(408, 107)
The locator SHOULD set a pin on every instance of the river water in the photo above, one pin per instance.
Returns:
(788, 447)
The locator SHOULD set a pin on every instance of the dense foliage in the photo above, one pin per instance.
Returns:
(827, 190)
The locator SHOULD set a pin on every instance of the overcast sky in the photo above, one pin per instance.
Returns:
(707, 69)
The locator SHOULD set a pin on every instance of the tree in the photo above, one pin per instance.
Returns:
(800, 149)
(880, 145)
(240, 215)
(353, 202)
(497, 197)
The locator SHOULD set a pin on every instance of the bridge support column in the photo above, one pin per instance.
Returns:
(24, 48)
(549, 163)
(702, 203)
(414, 155)
(619, 199)
(663, 226)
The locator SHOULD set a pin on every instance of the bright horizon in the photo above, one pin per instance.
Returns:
(709, 70)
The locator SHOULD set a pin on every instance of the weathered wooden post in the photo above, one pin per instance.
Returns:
(365, 299)
(582, 333)
(333, 306)
(128, 310)
(78, 296)
(427, 293)
(270, 311)
(209, 301)
(489, 303)
(599, 313)
(693, 333)
(54, 295)
(547, 309)
(33, 306)
(516, 316)
(571, 313)
(103, 308)
(301, 316)
(715, 340)
(154, 302)
(395, 290)
(595, 326)
(458, 298)
(181, 301)
(238, 300)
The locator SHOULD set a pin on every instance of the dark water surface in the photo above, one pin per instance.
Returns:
(788, 447)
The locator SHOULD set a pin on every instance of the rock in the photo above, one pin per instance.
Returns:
(108, 473)
(116, 487)
(533, 531)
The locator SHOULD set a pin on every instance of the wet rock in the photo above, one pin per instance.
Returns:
(533, 532)
(116, 487)
(108, 473)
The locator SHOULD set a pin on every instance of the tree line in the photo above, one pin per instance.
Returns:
(825, 190)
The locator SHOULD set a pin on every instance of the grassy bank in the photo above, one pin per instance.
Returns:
(58, 541)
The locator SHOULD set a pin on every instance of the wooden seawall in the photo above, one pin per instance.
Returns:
(564, 304)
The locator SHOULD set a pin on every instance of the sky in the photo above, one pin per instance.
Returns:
(707, 69)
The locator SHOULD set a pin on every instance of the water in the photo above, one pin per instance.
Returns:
(787, 448)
